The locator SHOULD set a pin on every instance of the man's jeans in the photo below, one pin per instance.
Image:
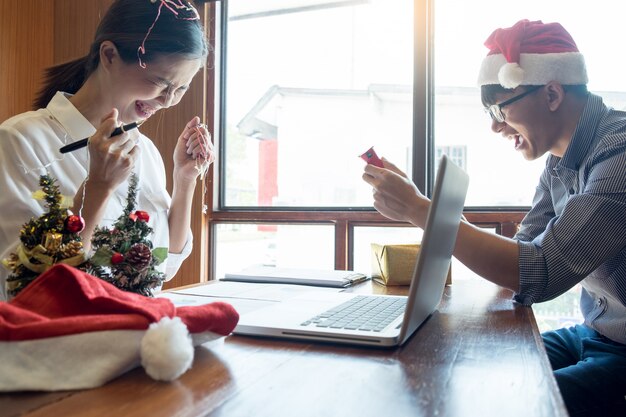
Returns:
(590, 371)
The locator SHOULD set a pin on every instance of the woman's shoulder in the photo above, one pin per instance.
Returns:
(27, 122)
(33, 137)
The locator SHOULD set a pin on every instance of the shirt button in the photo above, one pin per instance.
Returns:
(599, 302)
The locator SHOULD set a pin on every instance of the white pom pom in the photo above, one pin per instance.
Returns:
(166, 349)
(510, 75)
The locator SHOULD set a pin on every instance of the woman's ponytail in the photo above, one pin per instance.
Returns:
(67, 77)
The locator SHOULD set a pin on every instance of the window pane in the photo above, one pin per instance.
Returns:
(310, 88)
(499, 175)
(563, 311)
(243, 245)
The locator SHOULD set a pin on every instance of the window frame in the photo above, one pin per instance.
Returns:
(344, 219)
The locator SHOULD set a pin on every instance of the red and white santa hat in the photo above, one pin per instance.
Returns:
(70, 330)
(532, 53)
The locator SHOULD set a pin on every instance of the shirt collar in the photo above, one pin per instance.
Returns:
(74, 123)
(585, 133)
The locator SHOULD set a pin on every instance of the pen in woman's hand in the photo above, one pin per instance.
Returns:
(83, 142)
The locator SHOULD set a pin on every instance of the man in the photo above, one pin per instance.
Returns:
(533, 84)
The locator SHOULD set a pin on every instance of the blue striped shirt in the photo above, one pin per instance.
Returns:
(576, 229)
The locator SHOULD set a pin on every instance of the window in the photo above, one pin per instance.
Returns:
(456, 153)
(281, 245)
(303, 96)
(308, 85)
(307, 92)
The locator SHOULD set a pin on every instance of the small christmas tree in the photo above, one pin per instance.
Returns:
(124, 255)
(44, 241)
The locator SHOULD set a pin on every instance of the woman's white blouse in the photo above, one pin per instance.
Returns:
(29, 145)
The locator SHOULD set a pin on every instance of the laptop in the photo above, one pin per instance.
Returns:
(343, 317)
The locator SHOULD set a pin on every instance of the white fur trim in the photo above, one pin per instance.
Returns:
(166, 349)
(78, 361)
(510, 75)
(567, 68)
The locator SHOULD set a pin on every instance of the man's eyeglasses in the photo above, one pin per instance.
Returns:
(495, 110)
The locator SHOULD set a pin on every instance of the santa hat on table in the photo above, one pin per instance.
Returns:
(70, 330)
(532, 53)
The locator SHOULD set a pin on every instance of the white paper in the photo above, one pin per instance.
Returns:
(242, 305)
(250, 291)
(244, 297)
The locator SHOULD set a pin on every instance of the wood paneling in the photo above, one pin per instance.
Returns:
(75, 23)
(26, 48)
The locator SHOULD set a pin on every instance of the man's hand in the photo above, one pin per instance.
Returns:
(395, 195)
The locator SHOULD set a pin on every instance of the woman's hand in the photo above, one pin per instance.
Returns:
(194, 151)
(111, 159)
(395, 195)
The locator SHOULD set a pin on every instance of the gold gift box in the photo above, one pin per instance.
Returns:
(394, 264)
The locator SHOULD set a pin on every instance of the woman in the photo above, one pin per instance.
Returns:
(143, 58)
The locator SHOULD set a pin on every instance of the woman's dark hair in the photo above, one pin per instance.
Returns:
(129, 25)
(488, 93)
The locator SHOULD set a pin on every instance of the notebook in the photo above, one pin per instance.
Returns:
(298, 276)
(306, 316)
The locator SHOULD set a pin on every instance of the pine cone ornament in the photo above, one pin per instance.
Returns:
(124, 255)
(139, 256)
(71, 249)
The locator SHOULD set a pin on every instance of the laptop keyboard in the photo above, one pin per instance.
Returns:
(368, 313)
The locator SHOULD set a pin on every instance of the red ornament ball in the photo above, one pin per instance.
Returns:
(117, 258)
(142, 215)
(74, 223)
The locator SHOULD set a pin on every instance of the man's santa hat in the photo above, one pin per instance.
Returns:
(532, 53)
(70, 330)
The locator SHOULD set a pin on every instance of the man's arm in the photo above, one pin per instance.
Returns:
(493, 257)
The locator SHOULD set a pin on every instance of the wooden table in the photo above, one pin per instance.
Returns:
(478, 355)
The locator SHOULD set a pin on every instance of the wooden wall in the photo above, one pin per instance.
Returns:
(35, 34)
(26, 48)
